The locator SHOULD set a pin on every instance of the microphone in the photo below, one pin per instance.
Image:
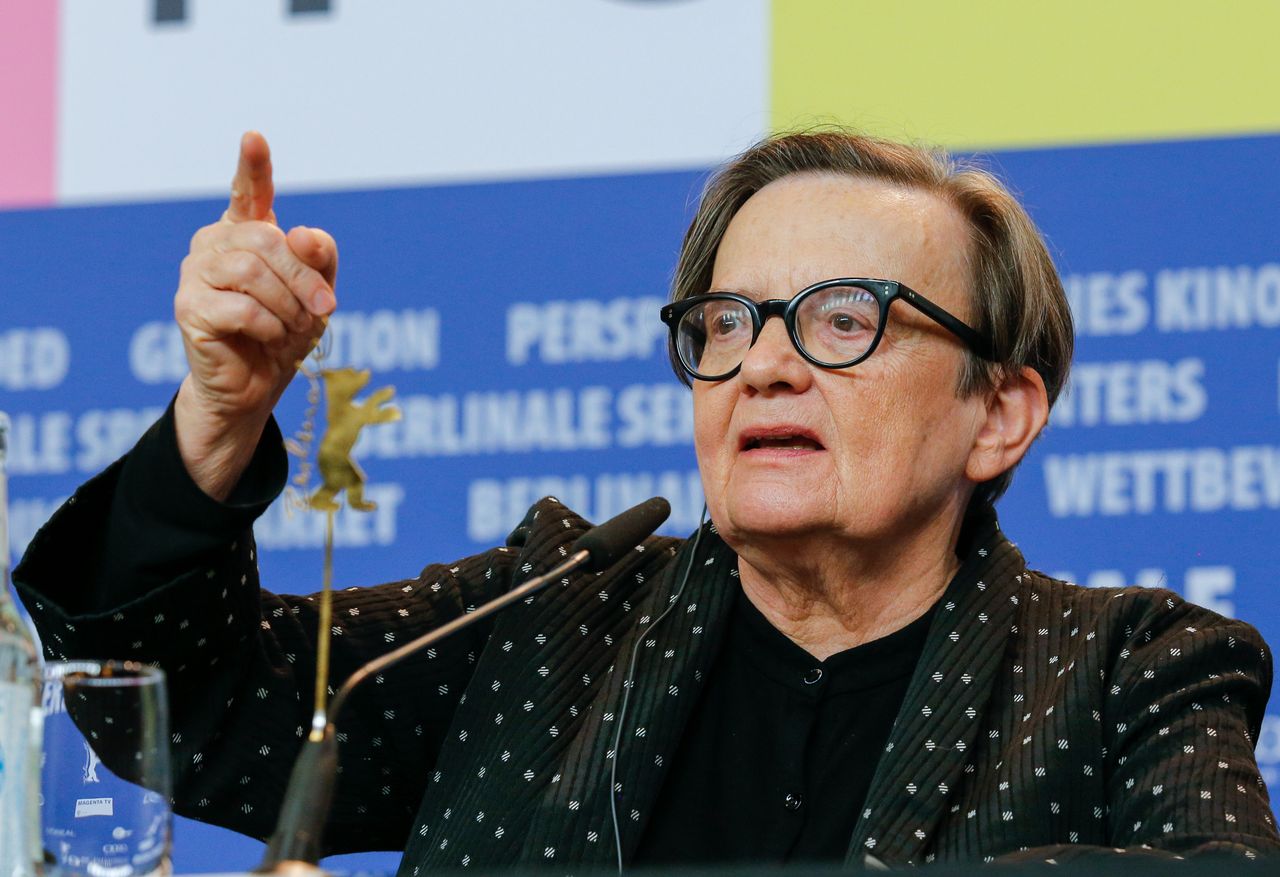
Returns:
(295, 847)
(615, 537)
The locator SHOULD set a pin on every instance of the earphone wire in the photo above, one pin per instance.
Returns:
(627, 684)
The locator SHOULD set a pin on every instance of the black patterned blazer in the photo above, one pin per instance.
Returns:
(1044, 720)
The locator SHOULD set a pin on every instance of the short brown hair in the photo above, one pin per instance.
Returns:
(1020, 303)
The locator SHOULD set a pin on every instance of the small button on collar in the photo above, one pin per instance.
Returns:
(813, 677)
(792, 802)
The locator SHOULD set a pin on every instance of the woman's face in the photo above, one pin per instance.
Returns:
(790, 450)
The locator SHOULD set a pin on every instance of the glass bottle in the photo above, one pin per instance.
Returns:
(21, 715)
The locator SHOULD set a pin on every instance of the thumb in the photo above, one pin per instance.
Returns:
(317, 248)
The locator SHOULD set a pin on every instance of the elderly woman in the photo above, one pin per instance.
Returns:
(850, 661)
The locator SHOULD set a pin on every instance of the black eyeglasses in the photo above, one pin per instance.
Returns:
(833, 324)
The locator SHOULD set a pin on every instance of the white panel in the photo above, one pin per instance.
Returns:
(387, 91)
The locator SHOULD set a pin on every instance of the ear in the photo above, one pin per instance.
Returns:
(1016, 412)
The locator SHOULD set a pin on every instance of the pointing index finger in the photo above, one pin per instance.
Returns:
(252, 190)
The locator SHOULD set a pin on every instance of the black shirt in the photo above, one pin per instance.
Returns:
(777, 757)
(780, 751)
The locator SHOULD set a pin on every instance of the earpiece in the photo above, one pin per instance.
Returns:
(627, 685)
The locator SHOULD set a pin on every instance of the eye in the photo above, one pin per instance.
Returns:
(725, 319)
(843, 322)
(837, 324)
(726, 323)
(852, 310)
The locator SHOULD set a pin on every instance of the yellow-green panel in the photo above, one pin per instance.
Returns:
(992, 73)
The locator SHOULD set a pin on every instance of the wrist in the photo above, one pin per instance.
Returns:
(215, 447)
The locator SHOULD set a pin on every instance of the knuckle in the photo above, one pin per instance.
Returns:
(263, 326)
(245, 267)
(204, 237)
(242, 311)
(193, 274)
(263, 236)
(298, 272)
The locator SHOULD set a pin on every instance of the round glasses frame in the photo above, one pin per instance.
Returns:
(886, 292)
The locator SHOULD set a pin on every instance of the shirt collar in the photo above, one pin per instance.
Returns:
(880, 661)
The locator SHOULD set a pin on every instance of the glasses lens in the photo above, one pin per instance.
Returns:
(837, 324)
(714, 336)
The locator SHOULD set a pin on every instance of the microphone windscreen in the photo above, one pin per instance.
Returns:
(608, 542)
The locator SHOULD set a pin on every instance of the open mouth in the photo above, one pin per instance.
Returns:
(781, 443)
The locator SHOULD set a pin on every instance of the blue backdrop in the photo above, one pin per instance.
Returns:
(518, 323)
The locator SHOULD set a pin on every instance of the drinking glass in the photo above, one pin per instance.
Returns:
(106, 775)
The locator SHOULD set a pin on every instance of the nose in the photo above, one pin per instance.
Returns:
(773, 364)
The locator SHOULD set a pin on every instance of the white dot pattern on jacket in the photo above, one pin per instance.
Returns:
(1044, 720)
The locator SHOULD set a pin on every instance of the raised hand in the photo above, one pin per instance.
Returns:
(251, 302)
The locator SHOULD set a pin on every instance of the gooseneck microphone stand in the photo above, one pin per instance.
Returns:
(296, 846)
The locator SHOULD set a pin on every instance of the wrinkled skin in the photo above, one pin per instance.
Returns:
(849, 533)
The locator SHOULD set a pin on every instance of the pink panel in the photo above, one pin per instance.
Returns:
(28, 101)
